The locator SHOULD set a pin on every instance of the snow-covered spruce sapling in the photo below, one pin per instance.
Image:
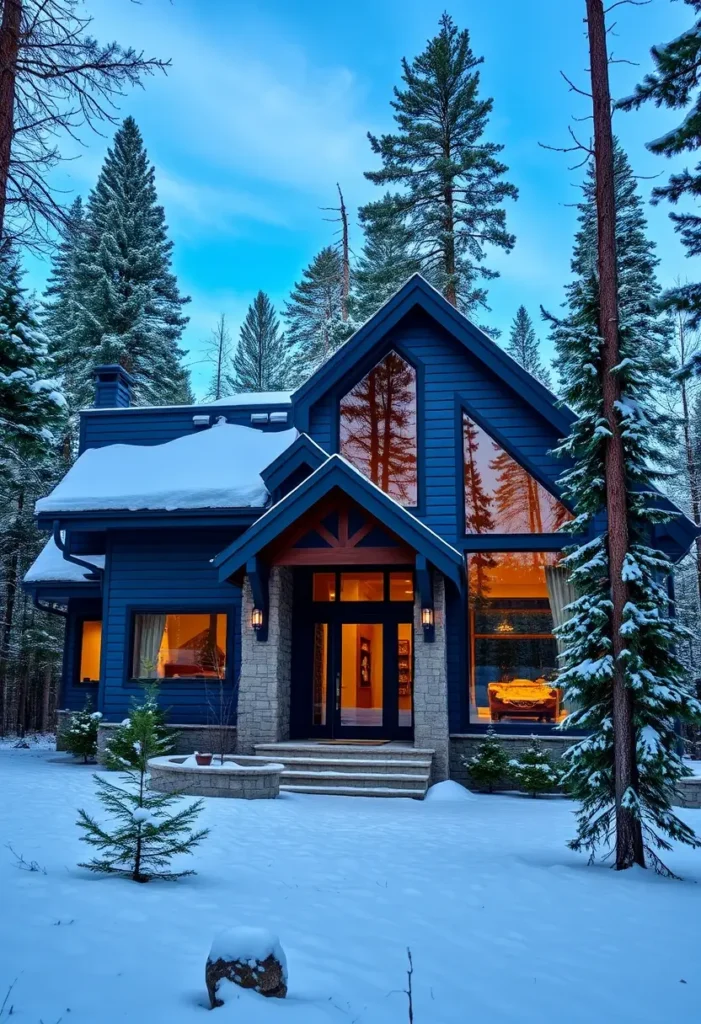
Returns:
(80, 737)
(490, 765)
(142, 836)
(534, 770)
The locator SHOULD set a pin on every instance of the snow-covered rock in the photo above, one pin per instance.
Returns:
(449, 792)
(250, 958)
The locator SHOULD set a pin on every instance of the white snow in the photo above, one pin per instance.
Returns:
(51, 565)
(449, 792)
(246, 398)
(215, 468)
(505, 924)
(246, 943)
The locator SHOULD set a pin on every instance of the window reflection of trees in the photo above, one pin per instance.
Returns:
(378, 428)
(500, 495)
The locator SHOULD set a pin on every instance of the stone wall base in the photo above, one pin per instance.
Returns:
(466, 744)
(188, 738)
(689, 792)
(62, 723)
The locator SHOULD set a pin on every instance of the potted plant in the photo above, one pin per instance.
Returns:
(203, 760)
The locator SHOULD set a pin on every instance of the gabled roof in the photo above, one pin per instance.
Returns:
(417, 292)
(337, 472)
(302, 452)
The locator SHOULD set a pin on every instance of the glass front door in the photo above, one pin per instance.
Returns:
(353, 671)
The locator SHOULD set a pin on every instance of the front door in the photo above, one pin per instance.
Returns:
(356, 681)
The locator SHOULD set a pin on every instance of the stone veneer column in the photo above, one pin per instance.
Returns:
(263, 714)
(431, 684)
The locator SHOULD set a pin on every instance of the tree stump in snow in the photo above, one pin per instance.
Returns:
(250, 958)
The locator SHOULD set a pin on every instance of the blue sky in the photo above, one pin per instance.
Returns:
(268, 103)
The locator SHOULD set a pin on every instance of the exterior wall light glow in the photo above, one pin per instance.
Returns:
(426, 617)
(257, 618)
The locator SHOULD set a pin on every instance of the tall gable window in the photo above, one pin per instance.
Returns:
(500, 495)
(378, 428)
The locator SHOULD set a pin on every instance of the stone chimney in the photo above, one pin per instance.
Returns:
(112, 387)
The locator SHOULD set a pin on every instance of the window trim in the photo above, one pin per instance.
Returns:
(464, 405)
(341, 390)
(385, 570)
(193, 607)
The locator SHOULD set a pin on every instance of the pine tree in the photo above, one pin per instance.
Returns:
(452, 181)
(262, 360)
(524, 347)
(142, 836)
(676, 83)
(314, 317)
(130, 308)
(534, 770)
(490, 765)
(32, 414)
(655, 681)
(637, 264)
(219, 354)
(80, 737)
(388, 259)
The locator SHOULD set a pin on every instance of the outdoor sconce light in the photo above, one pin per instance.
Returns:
(427, 618)
(257, 618)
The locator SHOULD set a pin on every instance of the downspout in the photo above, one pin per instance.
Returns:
(48, 608)
(63, 548)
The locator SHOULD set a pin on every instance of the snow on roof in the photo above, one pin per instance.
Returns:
(215, 468)
(51, 566)
(255, 398)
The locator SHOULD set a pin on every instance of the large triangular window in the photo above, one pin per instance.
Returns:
(500, 495)
(378, 427)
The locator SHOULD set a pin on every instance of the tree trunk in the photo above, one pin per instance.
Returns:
(11, 582)
(9, 48)
(691, 466)
(629, 842)
(345, 287)
(46, 698)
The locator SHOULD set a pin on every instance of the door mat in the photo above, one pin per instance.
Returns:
(357, 743)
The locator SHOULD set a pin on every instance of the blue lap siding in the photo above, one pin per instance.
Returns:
(160, 574)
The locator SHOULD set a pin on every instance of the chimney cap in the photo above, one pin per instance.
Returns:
(108, 370)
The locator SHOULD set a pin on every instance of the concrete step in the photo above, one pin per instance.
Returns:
(351, 764)
(365, 780)
(337, 751)
(325, 790)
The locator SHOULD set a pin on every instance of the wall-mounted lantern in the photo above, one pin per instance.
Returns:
(257, 618)
(427, 620)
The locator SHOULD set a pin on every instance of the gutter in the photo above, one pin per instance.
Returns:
(63, 547)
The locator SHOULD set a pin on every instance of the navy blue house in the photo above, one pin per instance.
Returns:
(375, 556)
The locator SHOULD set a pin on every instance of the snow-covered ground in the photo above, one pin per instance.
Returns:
(504, 923)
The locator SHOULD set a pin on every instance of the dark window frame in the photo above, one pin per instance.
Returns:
(180, 608)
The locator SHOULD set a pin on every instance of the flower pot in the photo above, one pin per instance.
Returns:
(203, 759)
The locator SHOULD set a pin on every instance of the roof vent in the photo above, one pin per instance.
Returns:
(259, 417)
(200, 421)
(278, 417)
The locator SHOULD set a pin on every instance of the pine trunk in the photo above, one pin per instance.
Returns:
(9, 48)
(691, 466)
(46, 699)
(345, 286)
(629, 842)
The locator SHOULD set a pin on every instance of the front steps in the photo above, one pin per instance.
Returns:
(390, 770)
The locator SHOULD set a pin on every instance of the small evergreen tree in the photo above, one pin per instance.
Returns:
(313, 314)
(141, 837)
(81, 735)
(490, 765)
(452, 180)
(676, 83)
(524, 347)
(261, 360)
(129, 305)
(534, 770)
(389, 257)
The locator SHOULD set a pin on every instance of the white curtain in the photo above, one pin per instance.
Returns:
(560, 594)
(148, 634)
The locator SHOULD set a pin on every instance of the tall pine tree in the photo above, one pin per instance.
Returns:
(261, 361)
(643, 649)
(636, 256)
(676, 83)
(524, 347)
(452, 179)
(129, 306)
(314, 313)
(32, 410)
(389, 257)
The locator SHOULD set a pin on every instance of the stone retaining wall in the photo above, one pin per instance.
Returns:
(259, 782)
(187, 738)
(465, 745)
(689, 791)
